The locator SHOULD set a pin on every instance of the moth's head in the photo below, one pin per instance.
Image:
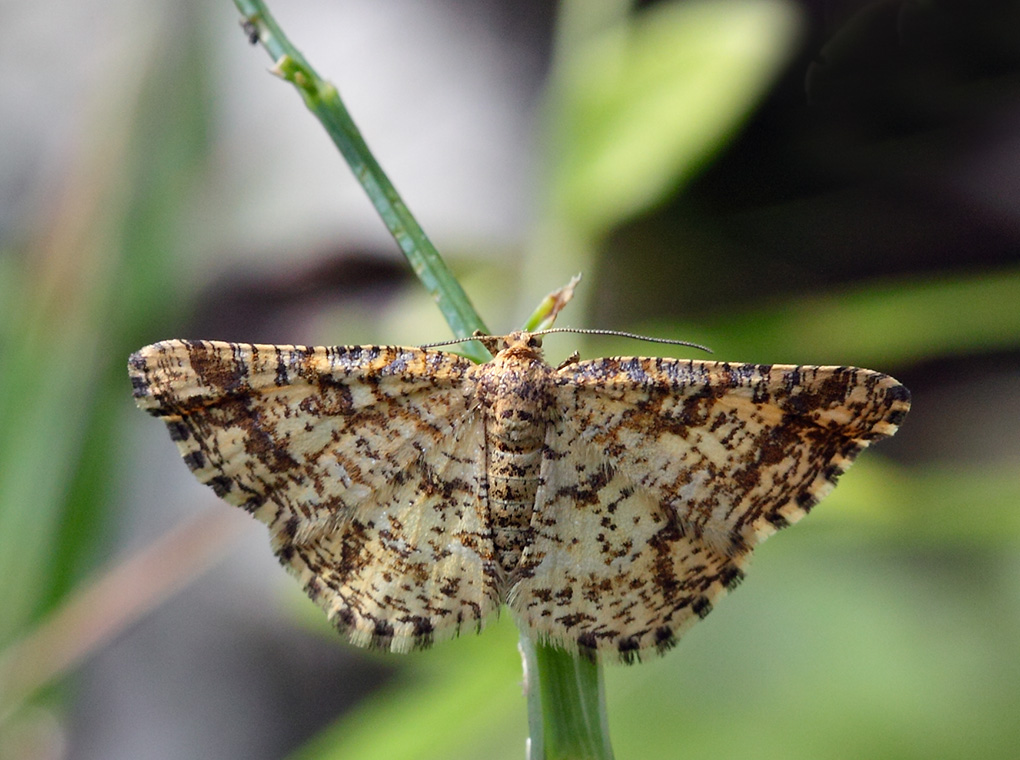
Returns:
(517, 345)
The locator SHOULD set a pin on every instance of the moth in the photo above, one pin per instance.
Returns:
(608, 503)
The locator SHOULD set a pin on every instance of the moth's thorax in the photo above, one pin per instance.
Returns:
(515, 393)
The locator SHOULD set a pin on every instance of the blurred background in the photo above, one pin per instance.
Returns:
(803, 181)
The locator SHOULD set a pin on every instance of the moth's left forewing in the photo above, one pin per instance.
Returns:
(682, 467)
(770, 434)
(802, 426)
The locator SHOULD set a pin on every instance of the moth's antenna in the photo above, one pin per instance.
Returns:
(579, 331)
(454, 341)
(620, 334)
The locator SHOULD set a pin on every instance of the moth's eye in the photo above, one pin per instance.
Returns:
(535, 341)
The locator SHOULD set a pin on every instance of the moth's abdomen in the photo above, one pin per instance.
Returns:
(515, 437)
(517, 410)
(513, 481)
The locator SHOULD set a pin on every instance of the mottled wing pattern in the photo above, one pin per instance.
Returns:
(364, 462)
(661, 475)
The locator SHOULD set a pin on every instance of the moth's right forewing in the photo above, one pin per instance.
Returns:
(365, 463)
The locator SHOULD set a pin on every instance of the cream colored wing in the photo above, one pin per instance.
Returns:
(661, 475)
(364, 462)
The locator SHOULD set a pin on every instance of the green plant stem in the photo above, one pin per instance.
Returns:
(566, 705)
(324, 101)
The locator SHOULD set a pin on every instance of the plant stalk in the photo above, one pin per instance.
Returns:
(566, 701)
(566, 704)
(324, 101)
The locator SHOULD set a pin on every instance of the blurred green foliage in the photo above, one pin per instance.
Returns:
(636, 109)
(79, 298)
(885, 626)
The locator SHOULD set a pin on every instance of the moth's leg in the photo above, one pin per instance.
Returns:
(574, 358)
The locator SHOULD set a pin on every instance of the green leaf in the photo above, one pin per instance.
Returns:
(876, 324)
(645, 104)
